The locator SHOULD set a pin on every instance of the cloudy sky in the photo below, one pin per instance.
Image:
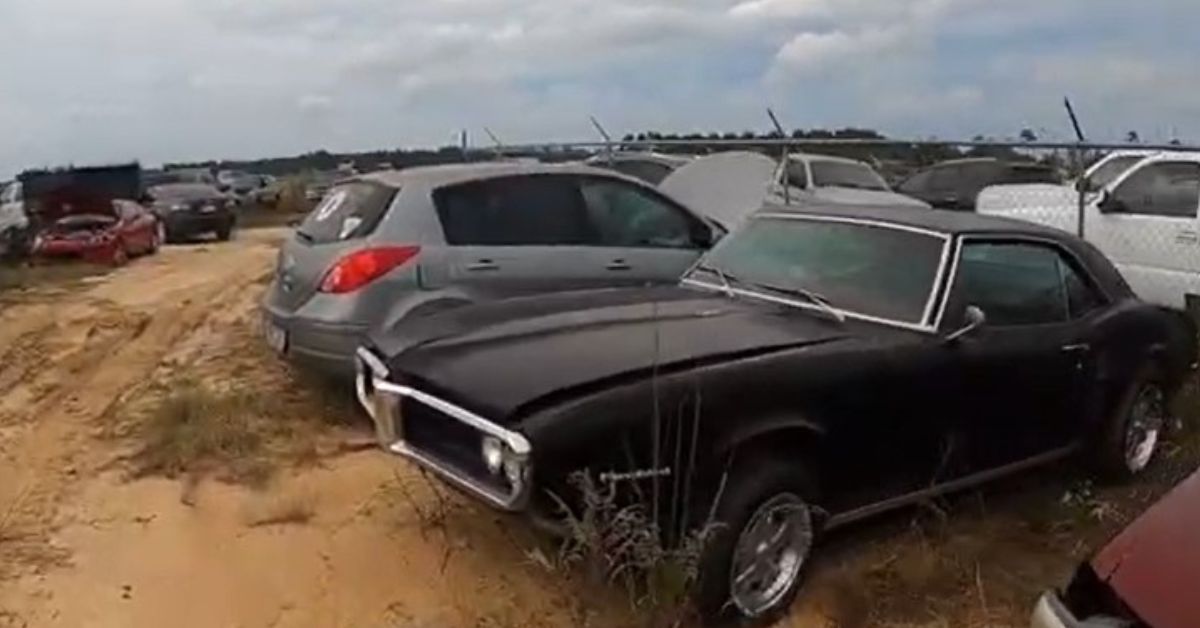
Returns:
(88, 81)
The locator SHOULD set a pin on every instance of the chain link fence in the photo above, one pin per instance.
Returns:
(1138, 203)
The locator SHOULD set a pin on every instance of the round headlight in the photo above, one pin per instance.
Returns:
(493, 454)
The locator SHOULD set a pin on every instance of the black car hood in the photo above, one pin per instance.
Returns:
(495, 358)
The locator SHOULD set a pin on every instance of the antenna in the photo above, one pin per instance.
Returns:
(1074, 120)
(499, 149)
(786, 178)
(607, 138)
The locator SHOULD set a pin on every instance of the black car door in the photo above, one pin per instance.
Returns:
(1023, 372)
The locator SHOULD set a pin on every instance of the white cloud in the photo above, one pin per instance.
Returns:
(831, 53)
(193, 79)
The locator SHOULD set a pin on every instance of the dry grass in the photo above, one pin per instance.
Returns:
(194, 427)
(240, 435)
(610, 543)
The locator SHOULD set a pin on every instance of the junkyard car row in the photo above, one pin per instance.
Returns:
(753, 350)
(778, 370)
(106, 214)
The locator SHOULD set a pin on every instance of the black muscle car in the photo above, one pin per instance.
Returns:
(813, 369)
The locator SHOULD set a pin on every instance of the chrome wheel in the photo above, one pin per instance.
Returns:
(769, 554)
(1146, 418)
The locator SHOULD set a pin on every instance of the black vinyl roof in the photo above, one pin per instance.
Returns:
(959, 223)
(944, 221)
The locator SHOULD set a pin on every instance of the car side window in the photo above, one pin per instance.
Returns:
(1014, 283)
(1082, 297)
(797, 174)
(541, 210)
(649, 171)
(1168, 188)
(627, 216)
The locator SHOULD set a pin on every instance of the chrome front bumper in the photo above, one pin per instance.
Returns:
(1050, 612)
(382, 401)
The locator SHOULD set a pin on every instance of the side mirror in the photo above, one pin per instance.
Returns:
(704, 237)
(974, 318)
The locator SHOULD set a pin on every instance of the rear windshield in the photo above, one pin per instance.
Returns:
(350, 210)
(846, 175)
(183, 191)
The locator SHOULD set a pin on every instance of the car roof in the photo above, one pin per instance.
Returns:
(942, 221)
(449, 174)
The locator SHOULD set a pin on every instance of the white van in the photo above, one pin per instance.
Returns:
(1146, 220)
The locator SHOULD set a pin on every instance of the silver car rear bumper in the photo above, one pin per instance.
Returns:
(383, 401)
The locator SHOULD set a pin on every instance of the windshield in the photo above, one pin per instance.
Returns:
(865, 269)
(846, 175)
(1108, 171)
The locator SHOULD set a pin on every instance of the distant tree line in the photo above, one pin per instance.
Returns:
(914, 154)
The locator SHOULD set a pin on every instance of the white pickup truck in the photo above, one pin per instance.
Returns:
(1146, 219)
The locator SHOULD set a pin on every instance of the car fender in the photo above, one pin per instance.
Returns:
(789, 424)
(424, 304)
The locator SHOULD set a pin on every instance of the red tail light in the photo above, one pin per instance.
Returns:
(362, 267)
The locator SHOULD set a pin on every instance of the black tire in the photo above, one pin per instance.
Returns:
(225, 232)
(753, 483)
(1111, 453)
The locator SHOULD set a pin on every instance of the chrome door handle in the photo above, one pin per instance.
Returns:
(483, 264)
(1187, 237)
(618, 264)
(1077, 348)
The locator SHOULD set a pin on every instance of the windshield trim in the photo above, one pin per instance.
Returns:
(926, 325)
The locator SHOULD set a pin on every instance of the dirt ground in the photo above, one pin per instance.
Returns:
(325, 530)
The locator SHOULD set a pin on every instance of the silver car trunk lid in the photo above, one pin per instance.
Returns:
(336, 227)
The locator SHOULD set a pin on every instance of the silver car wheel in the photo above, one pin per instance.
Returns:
(768, 556)
(1145, 422)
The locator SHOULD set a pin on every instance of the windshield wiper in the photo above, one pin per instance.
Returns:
(725, 283)
(815, 298)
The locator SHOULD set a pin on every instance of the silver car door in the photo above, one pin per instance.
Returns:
(644, 237)
(516, 235)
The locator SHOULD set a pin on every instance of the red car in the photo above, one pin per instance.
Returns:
(100, 237)
(1148, 576)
